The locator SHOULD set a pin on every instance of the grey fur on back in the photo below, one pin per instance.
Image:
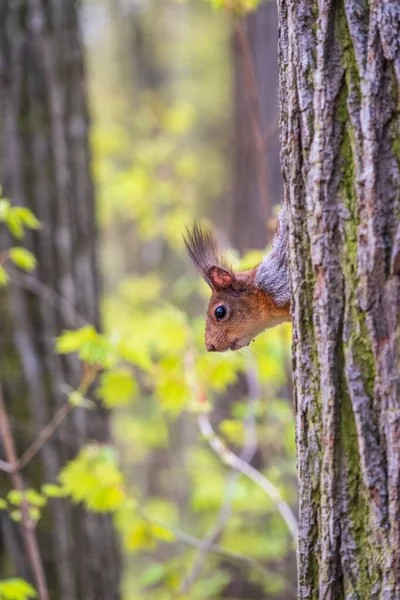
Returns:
(272, 276)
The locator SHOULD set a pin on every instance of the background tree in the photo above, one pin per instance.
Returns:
(256, 175)
(339, 94)
(45, 165)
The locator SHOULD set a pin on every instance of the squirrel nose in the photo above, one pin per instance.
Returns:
(210, 347)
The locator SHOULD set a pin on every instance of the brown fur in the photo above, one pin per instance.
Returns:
(250, 308)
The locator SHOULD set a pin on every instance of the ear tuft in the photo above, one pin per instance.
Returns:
(220, 278)
(203, 252)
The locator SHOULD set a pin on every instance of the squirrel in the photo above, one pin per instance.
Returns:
(242, 303)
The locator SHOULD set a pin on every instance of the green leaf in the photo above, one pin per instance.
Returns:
(14, 497)
(51, 490)
(72, 341)
(22, 258)
(92, 347)
(153, 574)
(14, 224)
(4, 209)
(117, 387)
(75, 398)
(161, 532)
(3, 276)
(233, 430)
(94, 479)
(139, 537)
(27, 217)
(3, 504)
(16, 589)
(35, 498)
(16, 515)
(34, 513)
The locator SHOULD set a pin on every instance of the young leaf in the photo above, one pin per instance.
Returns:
(16, 589)
(14, 497)
(16, 515)
(4, 209)
(27, 217)
(51, 490)
(92, 347)
(22, 258)
(77, 399)
(35, 498)
(93, 477)
(154, 574)
(117, 387)
(3, 276)
(14, 224)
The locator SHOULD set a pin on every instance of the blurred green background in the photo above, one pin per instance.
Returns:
(169, 143)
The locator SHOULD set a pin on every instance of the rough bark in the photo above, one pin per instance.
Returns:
(45, 165)
(340, 127)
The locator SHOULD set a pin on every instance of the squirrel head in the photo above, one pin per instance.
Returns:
(238, 309)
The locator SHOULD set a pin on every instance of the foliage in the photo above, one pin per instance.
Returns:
(16, 589)
(16, 219)
(237, 7)
(159, 158)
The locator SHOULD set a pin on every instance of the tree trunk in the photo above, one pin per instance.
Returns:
(45, 165)
(340, 127)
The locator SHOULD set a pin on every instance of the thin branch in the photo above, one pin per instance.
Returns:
(89, 375)
(45, 435)
(237, 463)
(249, 449)
(48, 295)
(6, 467)
(194, 542)
(255, 116)
(28, 525)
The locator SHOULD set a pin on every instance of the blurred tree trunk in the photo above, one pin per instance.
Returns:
(340, 128)
(45, 165)
(256, 174)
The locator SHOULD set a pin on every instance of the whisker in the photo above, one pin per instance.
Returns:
(247, 354)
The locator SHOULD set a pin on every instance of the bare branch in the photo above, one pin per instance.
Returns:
(28, 525)
(237, 463)
(201, 545)
(45, 435)
(6, 467)
(88, 377)
(225, 511)
(48, 295)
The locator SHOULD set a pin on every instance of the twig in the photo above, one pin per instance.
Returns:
(194, 542)
(225, 511)
(89, 375)
(237, 463)
(27, 523)
(47, 294)
(6, 467)
(45, 435)
(255, 116)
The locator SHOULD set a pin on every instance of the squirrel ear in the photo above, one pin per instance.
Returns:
(220, 278)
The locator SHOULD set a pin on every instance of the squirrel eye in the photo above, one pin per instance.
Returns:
(220, 312)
